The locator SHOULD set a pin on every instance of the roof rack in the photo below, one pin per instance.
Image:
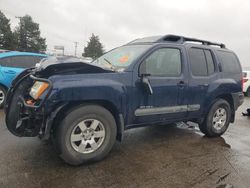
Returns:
(181, 40)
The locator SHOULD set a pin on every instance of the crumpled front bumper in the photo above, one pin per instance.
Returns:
(23, 119)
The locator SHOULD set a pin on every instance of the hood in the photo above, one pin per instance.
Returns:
(67, 65)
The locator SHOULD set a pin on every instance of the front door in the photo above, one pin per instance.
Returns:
(164, 69)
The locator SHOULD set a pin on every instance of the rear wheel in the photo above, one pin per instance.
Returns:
(217, 119)
(2, 96)
(86, 134)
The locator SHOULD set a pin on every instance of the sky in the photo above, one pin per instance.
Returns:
(116, 22)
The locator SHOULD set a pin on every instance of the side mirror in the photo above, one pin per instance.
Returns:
(146, 83)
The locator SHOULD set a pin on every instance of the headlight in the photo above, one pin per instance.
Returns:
(38, 89)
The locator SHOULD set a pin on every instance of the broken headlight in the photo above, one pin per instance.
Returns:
(38, 89)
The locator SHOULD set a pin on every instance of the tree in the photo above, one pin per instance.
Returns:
(6, 35)
(28, 36)
(94, 48)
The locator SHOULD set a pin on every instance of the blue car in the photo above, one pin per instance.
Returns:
(85, 107)
(11, 64)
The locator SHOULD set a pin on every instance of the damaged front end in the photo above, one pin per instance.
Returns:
(24, 114)
(30, 109)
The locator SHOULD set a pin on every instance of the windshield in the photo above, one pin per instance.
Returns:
(121, 57)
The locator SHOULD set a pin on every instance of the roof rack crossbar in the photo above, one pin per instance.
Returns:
(181, 39)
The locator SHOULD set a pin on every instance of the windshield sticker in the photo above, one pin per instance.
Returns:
(123, 59)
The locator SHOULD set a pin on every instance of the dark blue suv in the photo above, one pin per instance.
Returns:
(85, 107)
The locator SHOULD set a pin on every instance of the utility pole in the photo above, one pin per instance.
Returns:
(21, 36)
(76, 43)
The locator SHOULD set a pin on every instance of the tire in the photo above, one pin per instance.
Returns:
(215, 123)
(82, 121)
(202, 128)
(2, 96)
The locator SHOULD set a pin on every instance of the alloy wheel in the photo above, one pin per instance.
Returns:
(87, 136)
(219, 118)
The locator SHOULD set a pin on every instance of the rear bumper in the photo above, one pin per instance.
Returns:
(246, 85)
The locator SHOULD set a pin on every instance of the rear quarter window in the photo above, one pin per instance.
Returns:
(229, 62)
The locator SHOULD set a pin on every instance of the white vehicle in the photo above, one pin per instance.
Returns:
(246, 83)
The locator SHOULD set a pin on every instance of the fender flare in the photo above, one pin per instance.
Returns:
(52, 117)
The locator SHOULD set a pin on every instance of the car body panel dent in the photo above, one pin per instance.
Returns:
(109, 87)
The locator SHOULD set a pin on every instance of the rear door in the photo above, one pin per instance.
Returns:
(11, 69)
(2, 65)
(202, 73)
(8, 71)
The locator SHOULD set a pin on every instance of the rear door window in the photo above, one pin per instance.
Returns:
(4, 61)
(210, 62)
(229, 62)
(24, 61)
(201, 62)
(198, 62)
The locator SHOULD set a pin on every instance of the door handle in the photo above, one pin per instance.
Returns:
(181, 83)
(10, 72)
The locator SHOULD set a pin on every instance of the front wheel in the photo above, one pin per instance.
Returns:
(2, 96)
(86, 134)
(217, 119)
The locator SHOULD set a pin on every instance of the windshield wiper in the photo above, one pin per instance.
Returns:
(111, 65)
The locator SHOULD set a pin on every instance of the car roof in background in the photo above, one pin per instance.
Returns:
(63, 59)
(14, 53)
(3, 51)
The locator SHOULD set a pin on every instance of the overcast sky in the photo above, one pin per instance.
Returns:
(63, 22)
